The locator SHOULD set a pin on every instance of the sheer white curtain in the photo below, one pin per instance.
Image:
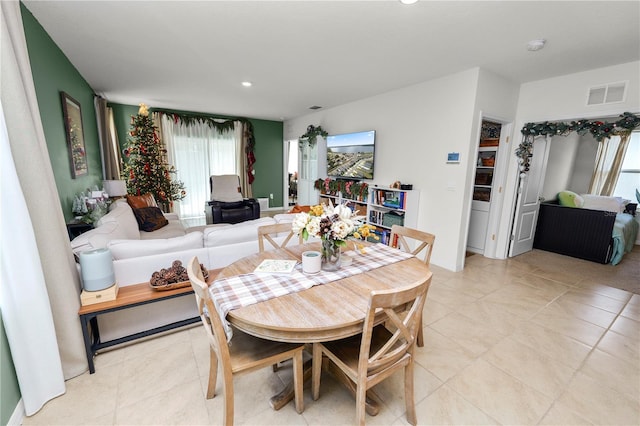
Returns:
(609, 160)
(197, 151)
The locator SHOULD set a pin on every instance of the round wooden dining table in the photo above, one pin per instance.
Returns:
(330, 311)
(326, 312)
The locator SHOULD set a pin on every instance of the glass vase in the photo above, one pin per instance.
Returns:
(330, 255)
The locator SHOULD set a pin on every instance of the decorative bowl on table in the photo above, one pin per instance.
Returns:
(173, 277)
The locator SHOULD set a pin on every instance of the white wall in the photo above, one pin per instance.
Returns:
(583, 164)
(560, 166)
(415, 129)
(497, 99)
(418, 125)
(564, 98)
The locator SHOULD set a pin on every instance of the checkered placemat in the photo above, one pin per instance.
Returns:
(246, 289)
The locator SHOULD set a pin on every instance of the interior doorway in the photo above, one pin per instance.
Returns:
(292, 173)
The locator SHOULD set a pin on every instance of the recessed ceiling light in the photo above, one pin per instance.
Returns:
(408, 1)
(535, 45)
(247, 83)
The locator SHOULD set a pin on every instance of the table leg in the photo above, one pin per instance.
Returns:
(281, 399)
(84, 323)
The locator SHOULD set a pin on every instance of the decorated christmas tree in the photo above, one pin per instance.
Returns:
(146, 169)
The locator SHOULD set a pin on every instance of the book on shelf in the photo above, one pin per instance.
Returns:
(275, 267)
(382, 234)
(393, 199)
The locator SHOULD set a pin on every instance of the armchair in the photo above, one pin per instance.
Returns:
(227, 204)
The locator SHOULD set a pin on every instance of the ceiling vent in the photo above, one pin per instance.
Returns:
(607, 94)
(315, 107)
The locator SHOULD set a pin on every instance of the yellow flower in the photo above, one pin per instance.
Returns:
(316, 210)
(143, 110)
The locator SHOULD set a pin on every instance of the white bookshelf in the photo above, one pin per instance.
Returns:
(383, 207)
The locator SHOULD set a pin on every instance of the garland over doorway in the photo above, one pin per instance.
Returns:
(598, 129)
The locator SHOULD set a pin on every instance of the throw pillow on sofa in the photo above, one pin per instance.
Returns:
(570, 199)
(141, 201)
(121, 213)
(150, 218)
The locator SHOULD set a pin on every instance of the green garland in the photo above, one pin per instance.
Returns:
(312, 133)
(220, 126)
(600, 130)
(350, 189)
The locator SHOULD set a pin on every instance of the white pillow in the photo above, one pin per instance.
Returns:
(226, 188)
(238, 233)
(122, 214)
(124, 249)
(601, 202)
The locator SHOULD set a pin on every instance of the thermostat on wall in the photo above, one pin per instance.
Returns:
(453, 157)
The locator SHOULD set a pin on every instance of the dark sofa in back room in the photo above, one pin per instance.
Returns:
(576, 232)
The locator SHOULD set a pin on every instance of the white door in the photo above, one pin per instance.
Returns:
(528, 202)
(307, 173)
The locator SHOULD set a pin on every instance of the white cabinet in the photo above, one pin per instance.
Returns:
(383, 208)
(389, 206)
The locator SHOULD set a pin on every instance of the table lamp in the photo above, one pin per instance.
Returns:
(115, 188)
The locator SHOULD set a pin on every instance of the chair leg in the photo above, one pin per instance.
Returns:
(228, 399)
(316, 370)
(408, 393)
(361, 399)
(420, 337)
(298, 382)
(213, 374)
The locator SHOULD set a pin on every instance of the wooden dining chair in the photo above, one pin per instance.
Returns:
(370, 357)
(245, 353)
(405, 238)
(268, 232)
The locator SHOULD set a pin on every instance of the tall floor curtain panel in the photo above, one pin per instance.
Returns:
(40, 291)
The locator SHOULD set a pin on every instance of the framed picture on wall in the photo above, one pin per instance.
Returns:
(75, 135)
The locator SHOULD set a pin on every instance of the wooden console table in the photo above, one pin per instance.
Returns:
(128, 297)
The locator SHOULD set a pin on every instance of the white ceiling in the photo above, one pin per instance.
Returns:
(194, 55)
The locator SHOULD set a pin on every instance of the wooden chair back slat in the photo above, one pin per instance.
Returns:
(267, 232)
(405, 236)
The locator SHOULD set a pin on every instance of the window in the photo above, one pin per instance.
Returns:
(629, 178)
(197, 151)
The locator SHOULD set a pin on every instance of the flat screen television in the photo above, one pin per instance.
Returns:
(350, 155)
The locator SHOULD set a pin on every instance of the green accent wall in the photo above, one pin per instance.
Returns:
(9, 389)
(52, 74)
(268, 151)
(269, 165)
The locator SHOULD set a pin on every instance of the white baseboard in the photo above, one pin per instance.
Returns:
(17, 417)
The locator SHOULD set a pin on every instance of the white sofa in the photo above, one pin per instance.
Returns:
(137, 254)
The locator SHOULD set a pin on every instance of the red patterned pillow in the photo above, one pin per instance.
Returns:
(150, 218)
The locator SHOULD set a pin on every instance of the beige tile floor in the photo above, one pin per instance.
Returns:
(506, 343)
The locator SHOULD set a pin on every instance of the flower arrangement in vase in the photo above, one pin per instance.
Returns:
(333, 225)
